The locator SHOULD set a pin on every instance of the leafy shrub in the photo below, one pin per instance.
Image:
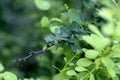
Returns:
(87, 42)
(99, 61)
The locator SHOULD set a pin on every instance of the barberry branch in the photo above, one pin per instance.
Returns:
(32, 53)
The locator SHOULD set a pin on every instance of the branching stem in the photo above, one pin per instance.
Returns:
(32, 53)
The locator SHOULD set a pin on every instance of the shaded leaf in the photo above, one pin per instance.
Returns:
(74, 15)
(49, 38)
(55, 29)
(72, 39)
(75, 48)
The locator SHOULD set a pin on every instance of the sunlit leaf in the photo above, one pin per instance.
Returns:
(96, 42)
(91, 54)
(109, 65)
(56, 20)
(43, 4)
(108, 62)
(115, 52)
(80, 69)
(84, 62)
(71, 73)
(91, 77)
(45, 22)
(105, 13)
(71, 64)
(9, 76)
(95, 30)
(108, 29)
(1, 67)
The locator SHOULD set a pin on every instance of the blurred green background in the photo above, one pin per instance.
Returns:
(23, 26)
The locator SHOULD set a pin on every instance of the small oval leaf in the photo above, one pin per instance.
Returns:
(80, 69)
(84, 62)
(71, 73)
(9, 76)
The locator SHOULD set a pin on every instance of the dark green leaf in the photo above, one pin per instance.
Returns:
(74, 15)
(49, 38)
(75, 48)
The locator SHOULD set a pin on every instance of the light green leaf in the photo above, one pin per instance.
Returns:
(109, 64)
(84, 62)
(91, 77)
(65, 59)
(71, 73)
(96, 42)
(111, 72)
(61, 76)
(95, 30)
(117, 70)
(80, 69)
(56, 19)
(66, 7)
(117, 64)
(115, 51)
(1, 67)
(105, 13)
(117, 31)
(71, 64)
(9, 76)
(45, 22)
(108, 29)
(91, 54)
(43, 4)
(117, 28)
(1, 76)
(57, 77)
(115, 78)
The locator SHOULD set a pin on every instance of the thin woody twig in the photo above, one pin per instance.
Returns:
(32, 53)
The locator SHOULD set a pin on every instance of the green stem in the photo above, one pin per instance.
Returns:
(69, 62)
(87, 75)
